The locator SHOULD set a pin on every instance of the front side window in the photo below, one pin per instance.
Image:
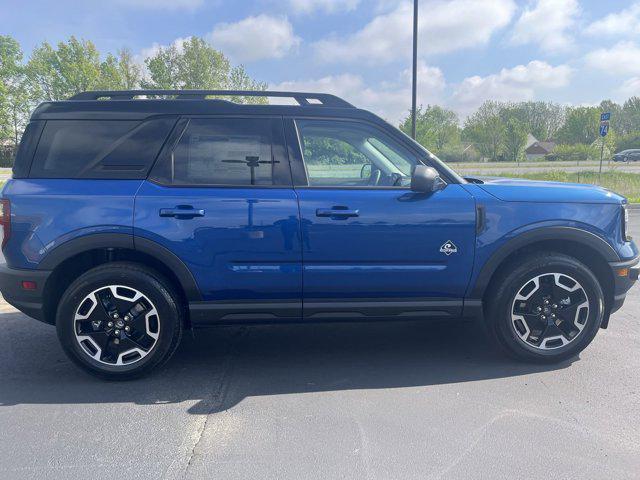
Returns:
(352, 154)
(229, 151)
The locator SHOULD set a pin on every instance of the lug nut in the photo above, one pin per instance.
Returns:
(110, 324)
(127, 318)
(115, 315)
(555, 305)
(127, 329)
(538, 309)
(542, 317)
(117, 332)
(553, 315)
(546, 302)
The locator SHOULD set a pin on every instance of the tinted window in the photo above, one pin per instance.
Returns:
(27, 148)
(99, 148)
(339, 153)
(234, 151)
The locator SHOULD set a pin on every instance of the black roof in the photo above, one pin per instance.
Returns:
(140, 104)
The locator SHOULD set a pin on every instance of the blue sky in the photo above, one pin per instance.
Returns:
(569, 51)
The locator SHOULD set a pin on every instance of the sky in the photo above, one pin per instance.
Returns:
(567, 51)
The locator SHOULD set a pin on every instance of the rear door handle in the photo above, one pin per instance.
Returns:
(182, 212)
(337, 212)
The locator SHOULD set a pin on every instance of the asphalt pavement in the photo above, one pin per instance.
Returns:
(354, 401)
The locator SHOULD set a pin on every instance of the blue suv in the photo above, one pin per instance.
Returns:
(132, 216)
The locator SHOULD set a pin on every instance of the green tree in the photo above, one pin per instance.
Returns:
(436, 127)
(14, 96)
(486, 130)
(119, 72)
(515, 139)
(58, 73)
(195, 64)
(631, 116)
(541, 119)
(580, 126)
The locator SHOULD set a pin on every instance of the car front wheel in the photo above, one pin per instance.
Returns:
(119, 320)
(545, 308)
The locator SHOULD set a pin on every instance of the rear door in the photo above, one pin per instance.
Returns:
(220, 198)
(372, 247)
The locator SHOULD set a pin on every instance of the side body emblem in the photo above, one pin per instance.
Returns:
(448, 248)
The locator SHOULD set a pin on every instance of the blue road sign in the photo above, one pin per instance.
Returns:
(605, 117)
(604, 129)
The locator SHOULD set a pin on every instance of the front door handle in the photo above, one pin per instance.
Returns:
(337, 212)
(182, 212)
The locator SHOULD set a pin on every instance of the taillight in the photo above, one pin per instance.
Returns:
(5, 220)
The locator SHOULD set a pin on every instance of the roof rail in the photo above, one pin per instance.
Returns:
(303, 99)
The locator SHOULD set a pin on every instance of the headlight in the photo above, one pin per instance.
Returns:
(625, 223)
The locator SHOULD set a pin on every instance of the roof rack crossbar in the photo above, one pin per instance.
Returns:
(303, 99)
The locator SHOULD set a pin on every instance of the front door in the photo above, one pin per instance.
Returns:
(371, 247)
(221, 199)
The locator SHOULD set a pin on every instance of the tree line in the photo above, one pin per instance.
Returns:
(56, 72)
(498, 131)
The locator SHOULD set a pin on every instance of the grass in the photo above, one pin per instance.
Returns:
(624, 183)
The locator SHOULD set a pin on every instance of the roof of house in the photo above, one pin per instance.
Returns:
(541, 147)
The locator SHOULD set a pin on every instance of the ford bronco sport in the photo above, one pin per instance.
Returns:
(134, 215)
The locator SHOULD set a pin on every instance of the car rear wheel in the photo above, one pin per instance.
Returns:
(119, 320)
(545, 308)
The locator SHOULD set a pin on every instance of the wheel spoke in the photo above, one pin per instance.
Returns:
(551, 315)
(107, 333)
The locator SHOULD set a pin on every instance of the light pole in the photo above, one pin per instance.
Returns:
(414, 87)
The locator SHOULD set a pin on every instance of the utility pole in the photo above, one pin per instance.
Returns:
(415, 70)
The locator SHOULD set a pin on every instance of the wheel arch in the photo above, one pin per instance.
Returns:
(585, 246)
(72, 258)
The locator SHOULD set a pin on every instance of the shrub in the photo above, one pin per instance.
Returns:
(575, 153)
(6, 156)
(457, 153)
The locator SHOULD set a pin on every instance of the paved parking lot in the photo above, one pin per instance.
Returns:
(364, 401)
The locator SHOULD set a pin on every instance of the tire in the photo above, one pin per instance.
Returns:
(568, 320)
(97, 332)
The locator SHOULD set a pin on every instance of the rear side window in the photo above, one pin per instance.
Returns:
(100, 149)
(225, 152)
(27, 148)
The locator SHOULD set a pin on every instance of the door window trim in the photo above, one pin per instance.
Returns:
(278, 149)
(298, 165)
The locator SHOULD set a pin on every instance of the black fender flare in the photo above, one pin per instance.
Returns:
(125, 241)
(530, 237)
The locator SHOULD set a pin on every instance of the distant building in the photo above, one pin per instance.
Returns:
(538, 150)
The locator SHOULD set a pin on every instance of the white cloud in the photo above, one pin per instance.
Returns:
(547, 23)
(155, 48)
(624, 22)
(621, 59)
(255, 38)
(510, 84)
(630, 87)
(390, 100)
(328, 6)
(163, 4)
(444, 26)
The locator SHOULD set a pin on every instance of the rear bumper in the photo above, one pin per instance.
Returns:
(30, 302)
(625, 275)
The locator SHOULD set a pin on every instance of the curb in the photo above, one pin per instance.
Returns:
(633, 206)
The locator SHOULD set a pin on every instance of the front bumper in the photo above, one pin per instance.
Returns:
(625, 275)
(30, 302)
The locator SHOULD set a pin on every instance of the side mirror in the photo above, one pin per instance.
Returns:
(426, 180)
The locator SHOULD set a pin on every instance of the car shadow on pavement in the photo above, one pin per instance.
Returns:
(217, 368)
